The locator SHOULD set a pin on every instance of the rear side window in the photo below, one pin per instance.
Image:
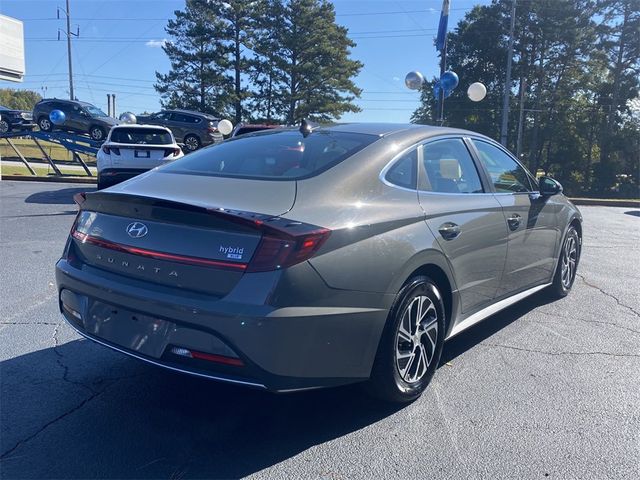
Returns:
(404, 171)
(180, 117)
(141, 136)
(284, 154)
(506, 174)
(449, 168)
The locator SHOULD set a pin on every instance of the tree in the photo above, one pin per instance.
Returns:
(239, 19)
(198, 55)
(19, 99)
(579, 59)
(305, 69)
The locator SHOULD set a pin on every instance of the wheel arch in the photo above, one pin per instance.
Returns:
(434, 265)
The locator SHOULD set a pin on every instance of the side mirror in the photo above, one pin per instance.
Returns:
(549, 186)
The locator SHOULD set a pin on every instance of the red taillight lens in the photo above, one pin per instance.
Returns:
(80, 198)
(275, 252)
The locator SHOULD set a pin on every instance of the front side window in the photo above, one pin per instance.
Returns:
(94, 111)
(141, 136)
(449, 168)
(284, 154)
(403, 172)
(506, 174)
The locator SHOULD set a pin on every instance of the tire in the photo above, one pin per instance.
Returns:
(97, 133)
(399, 374)
(4, 126)
(45, 124)
(567, 267)
(192, 143)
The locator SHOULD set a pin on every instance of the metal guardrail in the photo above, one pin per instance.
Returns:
(74, 143)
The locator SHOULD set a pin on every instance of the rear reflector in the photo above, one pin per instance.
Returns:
(210, 357)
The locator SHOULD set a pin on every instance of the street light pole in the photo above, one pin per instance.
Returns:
(443, 68)
(507, 82)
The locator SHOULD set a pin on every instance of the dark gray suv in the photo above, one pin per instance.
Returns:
(81, 117)
(194, 129)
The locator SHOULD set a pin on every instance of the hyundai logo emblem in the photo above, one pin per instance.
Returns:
(137, 230)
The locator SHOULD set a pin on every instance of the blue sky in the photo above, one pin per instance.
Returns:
(118, 50)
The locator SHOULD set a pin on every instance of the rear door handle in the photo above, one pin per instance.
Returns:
(514, 221)
(449, 230)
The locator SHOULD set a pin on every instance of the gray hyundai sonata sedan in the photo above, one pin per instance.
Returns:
(313, 257)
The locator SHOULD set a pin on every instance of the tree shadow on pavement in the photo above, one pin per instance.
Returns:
(80, 410)
(58, 197)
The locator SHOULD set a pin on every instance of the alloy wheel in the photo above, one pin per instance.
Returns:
(569, 260)
(97, 133)
(191, 143)
(416, 339)
(45, 124)
(4, 126)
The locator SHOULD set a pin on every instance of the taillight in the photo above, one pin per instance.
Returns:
(275, 252)
(80, 198)
(172, 152)
(284, 242)
(109, 150)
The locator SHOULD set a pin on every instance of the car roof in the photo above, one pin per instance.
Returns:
(396, 129)
(190, 112)
(140, 125)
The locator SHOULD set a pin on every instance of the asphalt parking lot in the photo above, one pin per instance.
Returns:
(540, 390)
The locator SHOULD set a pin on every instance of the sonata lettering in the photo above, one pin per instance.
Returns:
(138, 266)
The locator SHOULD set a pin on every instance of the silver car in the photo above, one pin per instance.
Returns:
(301, 258)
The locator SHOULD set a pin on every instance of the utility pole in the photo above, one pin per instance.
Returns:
(523, 88)
(69, 33)
(507, 82)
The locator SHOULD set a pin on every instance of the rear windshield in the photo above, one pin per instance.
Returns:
(142, 136)
(243, 130)
(283, 154)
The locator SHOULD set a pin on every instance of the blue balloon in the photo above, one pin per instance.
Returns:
(57, 117)
(449, 80)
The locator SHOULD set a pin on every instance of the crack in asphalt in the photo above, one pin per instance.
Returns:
(6, 454)
(566, 317)
(29, 323)
(543, 352)
(65, 368)
(588, 284)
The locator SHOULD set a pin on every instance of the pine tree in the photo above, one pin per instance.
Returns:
(306, 66)
(199, 60)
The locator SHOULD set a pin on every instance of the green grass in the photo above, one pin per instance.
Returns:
(41, 171)
(30, 150)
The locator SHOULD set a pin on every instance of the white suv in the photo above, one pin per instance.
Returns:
(134, 149)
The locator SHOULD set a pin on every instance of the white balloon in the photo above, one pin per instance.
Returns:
(128, 117)
(225, 127)
(477, 91)
(414, 80)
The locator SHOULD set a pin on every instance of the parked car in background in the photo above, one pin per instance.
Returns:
(194, 129)
(15, 120)
(133, 149)
(81, 117)
(244, 128)
(298, 259)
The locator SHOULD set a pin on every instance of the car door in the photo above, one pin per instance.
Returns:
(76, 118)
(465, 217)
(530, 219)
(179, 126)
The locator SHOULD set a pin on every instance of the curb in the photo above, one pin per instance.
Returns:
(606, 202)
(52, 178)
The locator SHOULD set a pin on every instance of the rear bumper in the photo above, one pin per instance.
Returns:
(113, 176)
(281, 348)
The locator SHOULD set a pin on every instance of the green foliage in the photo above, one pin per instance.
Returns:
(579, 60)
(286, 59)
(19, 99)
(199, 60)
